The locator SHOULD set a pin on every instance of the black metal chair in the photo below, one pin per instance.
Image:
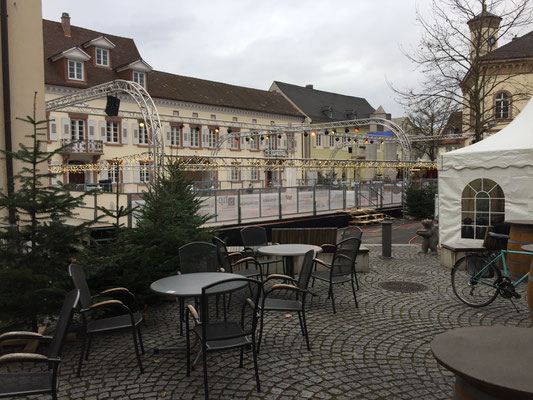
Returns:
(124, 317)
(352, 231)
(254, 237)
(21, 383)
(198, 257)
(341, 269)
(295, 302)
(235, 330)
(236, 262)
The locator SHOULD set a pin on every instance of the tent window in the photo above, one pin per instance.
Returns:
(502, 106)
(482, 205)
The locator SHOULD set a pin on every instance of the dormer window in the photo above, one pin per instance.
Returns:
(140, 78)
(102, 57)
(75, 70)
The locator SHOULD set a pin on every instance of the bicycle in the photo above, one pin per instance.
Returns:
(477, 281)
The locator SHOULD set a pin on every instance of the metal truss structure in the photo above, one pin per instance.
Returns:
(209, 163)
(149, 112)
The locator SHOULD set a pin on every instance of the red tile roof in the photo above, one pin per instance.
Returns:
(160, 84)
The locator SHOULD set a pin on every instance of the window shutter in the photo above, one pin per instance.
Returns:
(205, 137)
(167, 135)
(65, 122)
(56, 177)
(137, 173)
(124, 132)
(187, 136)
(102, 127)
(92, 129)
(135, 129)
(103, 174)
(53, 129)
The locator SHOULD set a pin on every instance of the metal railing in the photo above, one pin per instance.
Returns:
(82, 146)
(241, 204)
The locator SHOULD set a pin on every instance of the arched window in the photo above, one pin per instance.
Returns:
(482, 205)
(502, 106)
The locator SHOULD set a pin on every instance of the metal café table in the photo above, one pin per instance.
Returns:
(489, 362)
(288, 252)
(191, 285)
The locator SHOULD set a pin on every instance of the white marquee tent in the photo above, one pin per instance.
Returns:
(505, 158)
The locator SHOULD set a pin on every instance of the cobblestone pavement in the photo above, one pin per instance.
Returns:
(379, 351)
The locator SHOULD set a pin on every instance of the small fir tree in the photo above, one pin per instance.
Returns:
(169, 219)
(35, 253)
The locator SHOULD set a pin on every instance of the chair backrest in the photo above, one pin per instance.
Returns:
(80, 282)
(233, 310)
(344, 257)
(198, 257)
(306, 270)
(352, 232)
(222, 253)
(63, 322)
(254, 236)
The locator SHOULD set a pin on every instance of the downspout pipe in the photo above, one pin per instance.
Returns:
(7, 106)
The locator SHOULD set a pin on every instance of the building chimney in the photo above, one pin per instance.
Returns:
(309, 86)
(65, 24)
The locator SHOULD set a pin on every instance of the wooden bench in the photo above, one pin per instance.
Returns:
(451, 252)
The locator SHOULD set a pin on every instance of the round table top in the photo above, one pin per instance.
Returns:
(528, 247)
(495, 356)
(190, 285)
(520, 222)
(287, 250)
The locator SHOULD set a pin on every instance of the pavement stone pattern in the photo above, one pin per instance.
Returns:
(379, 351)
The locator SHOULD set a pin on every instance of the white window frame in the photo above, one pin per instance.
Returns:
(103, 55)
(140, 78)
(195, 136)
(332, 141)
(211, 139)
(254, 174)
(144, 172)
(77, 129)
(502, 106)
(113, 132)
(143, 135)
(234, 175)
(76, 74)
(175, 136)
(234, 144)
(253, 144)
(318, 140)
(113, 173)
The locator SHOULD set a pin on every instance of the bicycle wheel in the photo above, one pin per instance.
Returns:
(474, 284)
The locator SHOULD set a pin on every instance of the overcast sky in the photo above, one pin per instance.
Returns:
(350, 47)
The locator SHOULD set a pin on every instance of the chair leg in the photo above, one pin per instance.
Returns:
(188, 341)
(353, 291)
(260, 331)
(332, 298)
(305, 328)
(89, 341)
(181, 302)
(140, 339)
(241, 358)
(139, 361)
(254, 352)
(301, 323)
(313, 282)
(356, 280)
(82, 353)
(204, 358)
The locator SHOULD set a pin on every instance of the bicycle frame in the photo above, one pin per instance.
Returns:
(478, 277)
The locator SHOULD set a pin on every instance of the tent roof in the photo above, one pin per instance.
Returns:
(512, 146)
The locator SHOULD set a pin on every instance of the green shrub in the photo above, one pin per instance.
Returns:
(420, 201)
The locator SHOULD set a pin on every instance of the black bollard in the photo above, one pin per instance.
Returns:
(386, 239)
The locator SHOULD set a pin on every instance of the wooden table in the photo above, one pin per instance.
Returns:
(521, 234)
(288, 251)
(529, 247)
(489, 362)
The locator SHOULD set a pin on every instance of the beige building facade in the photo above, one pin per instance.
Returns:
(199, 118)
(22, 67)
